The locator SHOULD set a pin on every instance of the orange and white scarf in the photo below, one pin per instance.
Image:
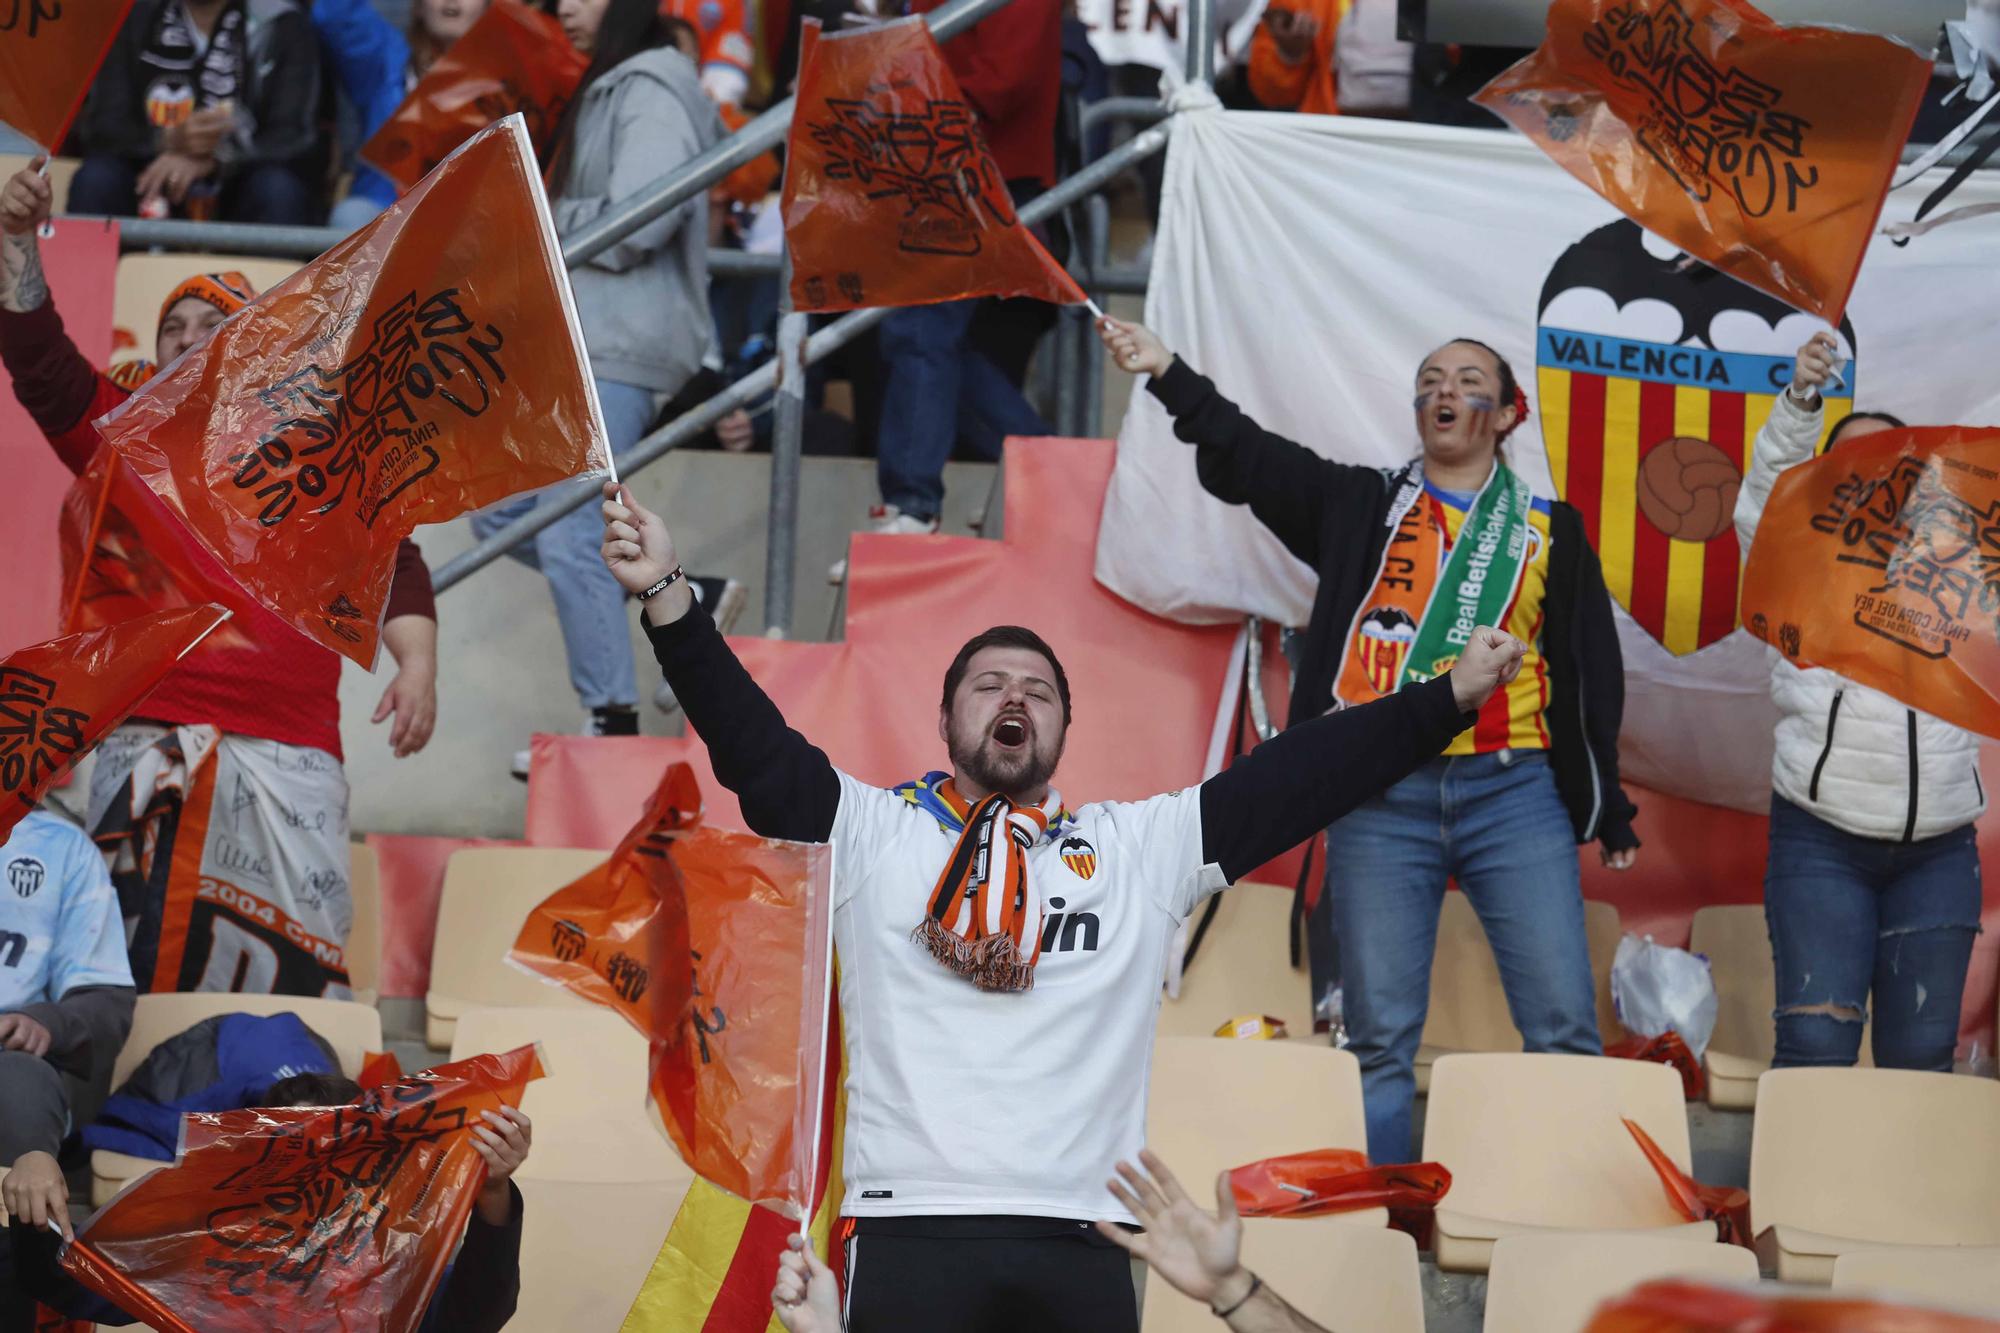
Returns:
(985, 917)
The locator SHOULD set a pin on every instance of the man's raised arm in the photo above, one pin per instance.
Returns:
(785, 784)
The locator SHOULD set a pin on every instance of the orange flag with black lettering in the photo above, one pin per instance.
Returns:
(716, 946)
(60, 698)
(426, 366)
(124, 555)
(891, 195)
(1881, 561)
(50, 51)
(1764, 151)
(310, 1219)
(513, 59)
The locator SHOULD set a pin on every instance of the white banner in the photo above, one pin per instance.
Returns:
(1153, 32)
(1308, 264)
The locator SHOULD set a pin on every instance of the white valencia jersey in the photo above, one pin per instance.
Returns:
(963, 1101)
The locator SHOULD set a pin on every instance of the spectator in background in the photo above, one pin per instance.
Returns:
(479, 1290)
(1872, 884)
(207, 107)
(1374, 67)
(66, 1001)
(938, 385)
(266, 710)
(377, 67)
(723, 51)
(639, 113)
(1292, 65)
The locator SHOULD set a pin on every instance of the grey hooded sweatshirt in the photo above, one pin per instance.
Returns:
(643, 302)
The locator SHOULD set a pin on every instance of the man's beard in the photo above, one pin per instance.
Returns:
(1010, 773)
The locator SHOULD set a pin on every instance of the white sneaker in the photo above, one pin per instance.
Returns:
(596, 722)
(725, 600)
(889, 519)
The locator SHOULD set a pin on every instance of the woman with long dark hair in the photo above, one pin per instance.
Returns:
(643, 303)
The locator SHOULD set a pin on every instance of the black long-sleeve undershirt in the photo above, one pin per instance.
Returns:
(1269, 801)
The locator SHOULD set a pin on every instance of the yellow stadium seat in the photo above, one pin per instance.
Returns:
(61, 171)
(1217, 1103)
(364, 936)
(1843, 1160)
(351, 1029)
(592, 1122)
(1737, 944)
(1350, 1279)
(1964, 1277)
(145, 280)
(1552, 1281)
(1534, 1143)
(585, 1250)
(487, 895)
(1468, 1009)
(1244, 967)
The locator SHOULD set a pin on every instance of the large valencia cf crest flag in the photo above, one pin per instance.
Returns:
(1650, 405)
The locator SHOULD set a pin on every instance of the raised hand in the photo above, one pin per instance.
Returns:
(1490, 661)
(1136, 348)
(26, 200)
(1292, 31)
(1814, 366)
(1198, 1252)
(639, 552)
(806, 1297)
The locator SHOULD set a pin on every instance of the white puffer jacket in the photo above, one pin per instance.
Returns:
(1848, 754)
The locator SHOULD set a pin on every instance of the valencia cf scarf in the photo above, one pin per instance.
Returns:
(1431, 593)
(985, 917)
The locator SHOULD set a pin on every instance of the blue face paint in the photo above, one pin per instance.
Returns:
(1423, 400)
(1479, 402)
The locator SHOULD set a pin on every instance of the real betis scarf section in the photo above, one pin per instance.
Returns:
(1430, 593)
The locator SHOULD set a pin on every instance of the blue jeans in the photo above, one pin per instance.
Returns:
(1850, 915)
(590, 606)
(268, 193)
(938, 388)
(1495, 823)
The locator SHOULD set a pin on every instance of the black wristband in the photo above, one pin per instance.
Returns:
(1255, 1283)
(662, 585)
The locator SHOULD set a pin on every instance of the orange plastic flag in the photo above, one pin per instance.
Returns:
(313, 1219)
(60, 698)
(891, 197)
(426, 366)
(1678, 1306)
(124, 555)
(1333, 1180)
(1764, 151)
(715, 945)
(49, 53)
(514, 59)
(1725, 1205)
(1881, 561)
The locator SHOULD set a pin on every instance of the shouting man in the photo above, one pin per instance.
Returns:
(1001, 955)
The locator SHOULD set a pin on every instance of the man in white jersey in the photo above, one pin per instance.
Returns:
(1001, 956)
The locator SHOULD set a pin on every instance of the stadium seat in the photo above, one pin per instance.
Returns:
(592, 1122)
(1964, 1277)
(144, 280)
(1347, 1278)
(61, 170)
(351, 1029)
(586, 1249)
(1552, 1281)
(1860, 1159)
(1534, 1143)
(1216, 1103)
(1737, 944)
(1468, 1010)
(1244, 967)
(364, 936)
(487, 894)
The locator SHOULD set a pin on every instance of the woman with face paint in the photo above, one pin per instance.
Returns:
(1410, 560)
